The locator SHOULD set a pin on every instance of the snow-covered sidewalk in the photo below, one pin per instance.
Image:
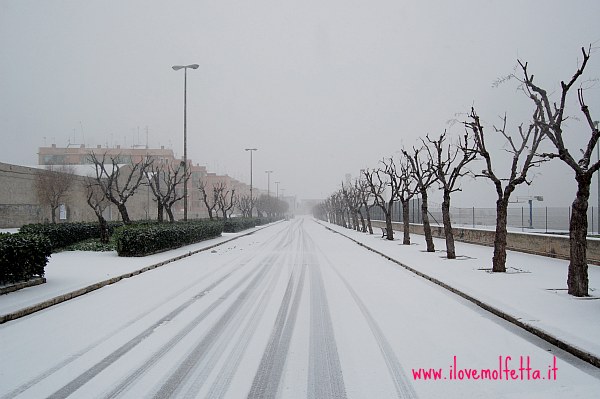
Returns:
(70, 271)
(532, 291)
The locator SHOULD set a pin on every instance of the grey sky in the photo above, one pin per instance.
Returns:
(322, 88)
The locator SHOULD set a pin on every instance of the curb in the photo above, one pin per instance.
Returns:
(546, 336)
(93, 287)
(23, 284)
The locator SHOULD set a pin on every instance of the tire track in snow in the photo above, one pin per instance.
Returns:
(90, 373)
(202, 360)
(170, 386)
(402, 384)
(325, 378)
(232, 362)
(223, 379)
(50, 371)
(132, 377)
(268, 376)
(25, 386)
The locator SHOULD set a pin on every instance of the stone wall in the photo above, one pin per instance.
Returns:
(555, 246)
(19, 204)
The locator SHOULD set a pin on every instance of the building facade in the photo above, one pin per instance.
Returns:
(19, 204)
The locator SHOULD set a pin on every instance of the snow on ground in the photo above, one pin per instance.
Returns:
(294, 311)
(71, 270)
(533, 289)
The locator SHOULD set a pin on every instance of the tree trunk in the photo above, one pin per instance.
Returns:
(104, 236)
(369, 226)
(160, 208)
(124, 215)
(170, 214)
(577, 280)
(362, 222)
(406, 222)
(53, 211)
(499, 258)
(389, 229)
(450, 250)
(426, 226)
(350, 219)
(355, 218)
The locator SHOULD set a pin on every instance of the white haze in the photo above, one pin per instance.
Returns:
(321, 88)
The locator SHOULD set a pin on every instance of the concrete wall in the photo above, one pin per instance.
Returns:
(554, 246)
(19, 204)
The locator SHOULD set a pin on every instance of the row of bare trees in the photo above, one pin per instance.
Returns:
(222, 201)
(115, 183)
(443, 161)
(434, 162)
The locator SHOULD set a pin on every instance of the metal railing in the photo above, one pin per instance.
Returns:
(539, 219)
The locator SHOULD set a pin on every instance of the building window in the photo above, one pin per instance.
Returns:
(62, 212)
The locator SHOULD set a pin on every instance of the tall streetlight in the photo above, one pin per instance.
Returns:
(185, 194)
(251, 197)
(268, 172)
(277, 182)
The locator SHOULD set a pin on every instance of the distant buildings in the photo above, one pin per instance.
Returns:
(19, 205)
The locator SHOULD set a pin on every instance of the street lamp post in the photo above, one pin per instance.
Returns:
(277, 182)
(251, 197)
(185, 176)
(268, 172)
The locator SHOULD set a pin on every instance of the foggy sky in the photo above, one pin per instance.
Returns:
(321, 88)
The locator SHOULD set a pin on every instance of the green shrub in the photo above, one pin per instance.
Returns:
(23, 256)
(64, 234)
(145, 239)
(91, 244)
(233, 225)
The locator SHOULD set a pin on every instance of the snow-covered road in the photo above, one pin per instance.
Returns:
(292, 311)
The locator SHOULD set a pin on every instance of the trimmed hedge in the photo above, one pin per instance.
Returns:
(233, 225)
(64, 234)
(23, 256)
(146, 239)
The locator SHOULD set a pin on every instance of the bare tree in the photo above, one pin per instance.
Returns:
(261, 206)
(352, 202)
(52, 186)
(549, 118)
(424, 175)
(335, 207)
(449, 167)
(379, 182)
(119, 182)
(163, 181)
(526, 145)
(209, 197)
(364, 195)
(244, 203)
(96, 199)
(407, 189)
(226, 199)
